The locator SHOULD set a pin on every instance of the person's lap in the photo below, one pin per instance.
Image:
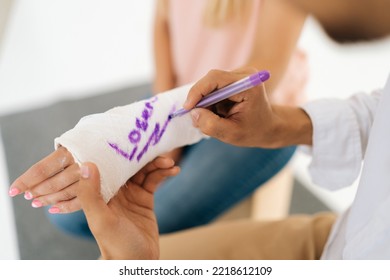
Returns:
(299, 237)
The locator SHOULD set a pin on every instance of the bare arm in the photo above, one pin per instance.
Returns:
(349, 19)
(164, 75)
(279, 27)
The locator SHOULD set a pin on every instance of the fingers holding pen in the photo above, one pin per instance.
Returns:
(215, 79)
(243, 124)
(228, 118)
(213, 125)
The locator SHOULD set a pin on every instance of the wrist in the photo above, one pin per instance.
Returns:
(292, 127)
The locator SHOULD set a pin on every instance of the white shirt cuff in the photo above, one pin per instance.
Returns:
(336, 151)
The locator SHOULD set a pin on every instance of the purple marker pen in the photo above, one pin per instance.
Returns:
(228, 91)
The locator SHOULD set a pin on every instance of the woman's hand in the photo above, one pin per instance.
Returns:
(126, 227)
(51, 181)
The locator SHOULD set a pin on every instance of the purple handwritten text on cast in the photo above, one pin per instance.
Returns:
(136, 134)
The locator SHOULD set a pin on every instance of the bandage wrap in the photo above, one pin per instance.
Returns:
(124, 139)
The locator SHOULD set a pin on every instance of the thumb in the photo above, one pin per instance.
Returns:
(212, 124)
(88, 193)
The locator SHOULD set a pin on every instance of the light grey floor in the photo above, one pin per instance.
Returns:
(28, 137)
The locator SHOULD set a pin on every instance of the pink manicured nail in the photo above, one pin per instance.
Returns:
(13, 192)
(84, 171)
(28, 195)
(36, 203)
(54, 210)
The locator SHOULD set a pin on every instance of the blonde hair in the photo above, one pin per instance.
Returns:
(217, 12)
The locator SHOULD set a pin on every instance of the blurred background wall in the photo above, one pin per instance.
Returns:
(52, 47)
(5, 6)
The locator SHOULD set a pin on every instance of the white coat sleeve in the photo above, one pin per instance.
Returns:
(340, 135)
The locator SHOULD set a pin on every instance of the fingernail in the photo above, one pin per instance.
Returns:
(36, 203)
(84, 170)
(28, 195)
(186, 103)
(54, 210)
(13, 192)
(195, 114)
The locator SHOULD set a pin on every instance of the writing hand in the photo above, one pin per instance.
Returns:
(247, 119)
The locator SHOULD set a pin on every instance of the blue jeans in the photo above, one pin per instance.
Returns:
(214, 177)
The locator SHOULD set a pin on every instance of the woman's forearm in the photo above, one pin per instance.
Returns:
(279, 28)
(164, 78)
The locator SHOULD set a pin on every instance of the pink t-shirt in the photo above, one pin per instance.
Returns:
(197, 48)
